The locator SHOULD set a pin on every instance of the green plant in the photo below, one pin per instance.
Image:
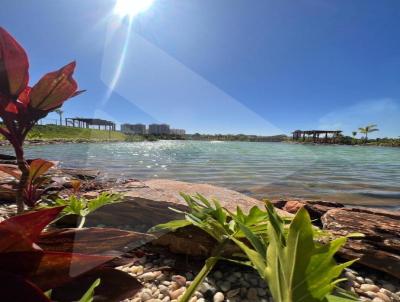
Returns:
(88, 296)
(295, 267)
(368, 129)
(282, 250)
(82, 206)
(220, 224)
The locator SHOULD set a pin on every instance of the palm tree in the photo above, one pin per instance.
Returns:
(368, 129)
(354, 133)
(60, 113)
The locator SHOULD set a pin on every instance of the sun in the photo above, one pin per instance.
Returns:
(131, 8)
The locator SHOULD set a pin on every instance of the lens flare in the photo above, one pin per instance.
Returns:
(131, 8)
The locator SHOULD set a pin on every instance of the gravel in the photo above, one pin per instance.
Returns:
(234, 283)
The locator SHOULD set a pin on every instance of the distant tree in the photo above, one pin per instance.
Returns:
(368, 129)
(354, 133)
(60, 113)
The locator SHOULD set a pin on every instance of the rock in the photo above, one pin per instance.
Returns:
(380, 248)
(252, 294)
(376, 299)
(176, 293)
(218, 297)
(149, 276)
(82, 174)
(218, 275)
(233, 293)
(383, 297)
(146, 295)
(316, 208)
(225, 286)
(369, 288)
(147, 203)
(180, 280)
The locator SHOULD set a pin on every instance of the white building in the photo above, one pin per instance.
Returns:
(159, 129)
(178, 132)
(133, 128)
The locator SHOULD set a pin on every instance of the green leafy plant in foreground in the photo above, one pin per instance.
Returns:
(213, 219)
(283, 251)
(216, 221)
(82, 207)
(295, 267)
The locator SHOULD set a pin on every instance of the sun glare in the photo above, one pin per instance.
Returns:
(131, 8)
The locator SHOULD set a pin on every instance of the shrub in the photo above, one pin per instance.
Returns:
(32, 261)
(21, 106)
(283, 251)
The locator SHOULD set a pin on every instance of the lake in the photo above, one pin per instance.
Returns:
(360, 175)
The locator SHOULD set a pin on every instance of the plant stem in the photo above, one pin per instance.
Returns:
(82, 220)
(23, 166)
(206, 269)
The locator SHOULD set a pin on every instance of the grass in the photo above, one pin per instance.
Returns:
(52, 132)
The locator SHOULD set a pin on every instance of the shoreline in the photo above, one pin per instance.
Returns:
(38, 142)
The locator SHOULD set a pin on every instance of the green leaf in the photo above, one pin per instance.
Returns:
(102, 200)
(88, 296)
(170, 226)
(256, 242)
(295, 267)
(257, 260)
(208, 266)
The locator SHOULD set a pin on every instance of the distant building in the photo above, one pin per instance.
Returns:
(158, 129)
(178, 132)
(133, 128)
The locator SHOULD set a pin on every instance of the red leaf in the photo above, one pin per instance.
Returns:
(49, 269)
(115, 286)
(14, 65)
(37, 168)
(19, 233)
(54, 88)
(24, 96)
(90, 240)
(17, 289)
(10, 170)
(11, 108)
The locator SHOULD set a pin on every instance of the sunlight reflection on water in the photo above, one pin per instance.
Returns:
(363, 175)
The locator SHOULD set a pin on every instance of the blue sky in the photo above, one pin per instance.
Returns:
(243, 66)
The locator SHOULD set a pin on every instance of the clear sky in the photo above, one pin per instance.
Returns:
(242, 66)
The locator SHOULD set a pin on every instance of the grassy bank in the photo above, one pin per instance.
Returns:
(52, 132)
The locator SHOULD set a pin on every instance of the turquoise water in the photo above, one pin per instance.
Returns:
(349, 174)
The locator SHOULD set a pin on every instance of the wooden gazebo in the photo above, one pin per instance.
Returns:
(317, 136)
(90, 123)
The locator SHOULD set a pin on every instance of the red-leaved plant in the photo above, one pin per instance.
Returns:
(66, 261)
(21, 106)
(35, 184)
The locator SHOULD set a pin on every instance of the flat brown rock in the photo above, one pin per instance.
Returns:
(169, 191)
(147, 203)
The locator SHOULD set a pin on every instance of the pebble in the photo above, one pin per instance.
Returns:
(176, 293)
(149, 276)
(225, 286)
(231, 284)
(180, 280)
(218, 297)
(218, 275)
(252, 294)
(369, 288)
(383, 297)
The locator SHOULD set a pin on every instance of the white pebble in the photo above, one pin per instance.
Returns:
(219, 297)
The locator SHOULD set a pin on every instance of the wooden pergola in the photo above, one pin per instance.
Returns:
(90, 123)
(317, 136)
